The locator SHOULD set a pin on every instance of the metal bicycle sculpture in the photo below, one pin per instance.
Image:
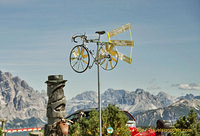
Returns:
(107, 55)
(80, 55)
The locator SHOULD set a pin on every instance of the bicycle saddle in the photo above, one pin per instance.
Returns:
(100, 32)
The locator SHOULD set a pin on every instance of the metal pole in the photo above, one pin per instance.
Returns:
(99, 101)
(99, 94)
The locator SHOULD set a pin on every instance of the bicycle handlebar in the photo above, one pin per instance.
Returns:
(83, 37)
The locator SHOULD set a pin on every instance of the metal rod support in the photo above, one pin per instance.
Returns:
(99, 100)
(99, 93)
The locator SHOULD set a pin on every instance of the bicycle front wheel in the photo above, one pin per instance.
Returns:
(79, 59)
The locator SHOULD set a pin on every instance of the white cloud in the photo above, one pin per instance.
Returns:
(191, 86)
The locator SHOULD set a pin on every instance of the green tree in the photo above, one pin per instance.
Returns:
(75, 129)
(1, 132)
(190, 126)
(111, 117)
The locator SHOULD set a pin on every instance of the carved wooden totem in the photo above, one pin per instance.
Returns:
(56, 106)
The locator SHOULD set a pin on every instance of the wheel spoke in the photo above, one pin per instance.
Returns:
(113, 59)
(84, 61)
(106, 65)
(74, 58)
(111, 64)
(82, 51)
(103, 51)
(103, 61)
(75, 63)
(113, 53)
(75, 54)
(82, 65)
(106, 47)
(78, 51)
(110, 47)
(101, 56)
(84, 56)
(79, 65)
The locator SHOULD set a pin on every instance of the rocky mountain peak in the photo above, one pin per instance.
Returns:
(163, 94)
(88, 95)
(170, 113)
(139, 91)
(4, 76)
(114, 96)
(188, 103)
(166, 98)
(16, 80)
(114, 93)
(188, 97)
(18, 99)
(8, 74)
(25, 85)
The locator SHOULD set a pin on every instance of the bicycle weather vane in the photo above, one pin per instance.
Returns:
(106, 55)
(80, 56)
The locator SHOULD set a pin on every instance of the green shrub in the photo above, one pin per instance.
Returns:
(111, 117)
(190, 126)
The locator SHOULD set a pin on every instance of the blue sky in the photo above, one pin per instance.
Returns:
(35, 41)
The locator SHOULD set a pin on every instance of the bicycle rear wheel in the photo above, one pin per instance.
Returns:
(79, 59)
(109, 57)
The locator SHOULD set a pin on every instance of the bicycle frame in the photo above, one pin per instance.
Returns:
(105, 55)
(84, 39)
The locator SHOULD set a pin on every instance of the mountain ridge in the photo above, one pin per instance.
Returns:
(170, 113)
(135, 101)
(21, 104)
(19, 100)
